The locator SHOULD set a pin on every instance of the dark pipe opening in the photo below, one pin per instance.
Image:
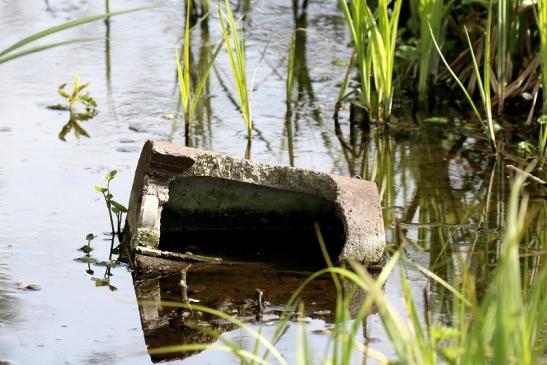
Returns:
(241, 221)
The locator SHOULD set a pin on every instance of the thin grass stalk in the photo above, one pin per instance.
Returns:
(430, 12)
(360, 33)
(290, 70)
(503, 27)
(191, 98)
(541, 15)
(14, 51)
(483, 87)
(542, 26)
(236, 51)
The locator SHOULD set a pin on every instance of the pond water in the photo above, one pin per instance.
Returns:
(448, 194)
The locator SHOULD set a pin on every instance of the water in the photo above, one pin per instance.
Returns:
(447, 193)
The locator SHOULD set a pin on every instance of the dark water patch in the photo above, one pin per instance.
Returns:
(217, 217)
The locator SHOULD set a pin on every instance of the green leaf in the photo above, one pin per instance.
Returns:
(108, 177)
(340, 63)
(101, 282)
(86, 259)
(81, 87)
(87, 100)
(100, 189)
(436, 120)
(86, 249)
(62, 92)
(542, 119)
(119, 207)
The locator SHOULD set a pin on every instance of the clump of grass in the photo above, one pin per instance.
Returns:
(190, 98)
(374, 38)
(483, 80)
(235, 45)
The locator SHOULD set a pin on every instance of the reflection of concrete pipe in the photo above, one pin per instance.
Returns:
(264, 191)
(184, 285)
(148, 291)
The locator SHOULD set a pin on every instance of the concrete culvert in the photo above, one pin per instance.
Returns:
(190, 200)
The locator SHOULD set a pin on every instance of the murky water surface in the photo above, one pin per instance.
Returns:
(448, 195)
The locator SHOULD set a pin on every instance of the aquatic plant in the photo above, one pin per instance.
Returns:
(20, 49)
(111, 205)
(374, 38)
(482, 80)
(235, 45)
(190, 98)
(542, 26)
(432, 13)
(77, 96)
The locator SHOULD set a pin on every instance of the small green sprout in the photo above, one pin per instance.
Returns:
(112, 205)
(77, 95)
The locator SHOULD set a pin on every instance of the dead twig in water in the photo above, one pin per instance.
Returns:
(527, 174)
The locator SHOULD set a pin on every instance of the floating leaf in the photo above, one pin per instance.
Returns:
(340, 63)
(436, 120)
(86, 259)
(86, 248)
(101, 282)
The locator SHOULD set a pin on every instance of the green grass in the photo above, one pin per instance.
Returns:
(504, 326)
(190, 98)
(374, 39)
(542, 26)
(432, 13)
(483, 80)
(235, 45)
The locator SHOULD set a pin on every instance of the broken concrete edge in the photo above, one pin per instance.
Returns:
(143, 250)
(357, 201)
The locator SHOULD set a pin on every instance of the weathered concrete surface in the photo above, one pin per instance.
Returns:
(163, 166)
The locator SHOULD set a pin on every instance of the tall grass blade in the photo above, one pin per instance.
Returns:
(431, 13)
(61, 27)
(235, 46)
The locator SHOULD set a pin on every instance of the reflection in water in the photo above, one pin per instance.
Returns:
(448, 195)
(231, 287)
(73, 124)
